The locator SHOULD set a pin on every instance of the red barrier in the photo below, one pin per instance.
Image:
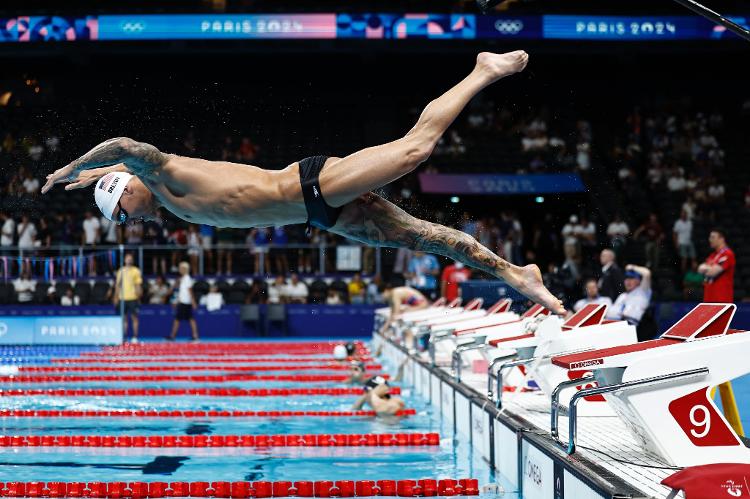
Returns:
(159, 441)
(261, 489)
(166, 392)
(107, 368)
(44, 413)
(185, 379)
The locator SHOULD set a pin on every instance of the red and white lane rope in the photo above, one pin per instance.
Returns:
(169, 392)
(227, 378)
(171, 359)
(172, 368)
(199, 441)
(321, 488)
(66, 413)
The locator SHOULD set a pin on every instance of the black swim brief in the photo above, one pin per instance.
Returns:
(319, 213)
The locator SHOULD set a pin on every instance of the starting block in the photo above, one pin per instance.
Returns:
(660, 388)
(585, 330)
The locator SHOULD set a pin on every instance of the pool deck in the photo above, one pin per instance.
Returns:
(516, 439)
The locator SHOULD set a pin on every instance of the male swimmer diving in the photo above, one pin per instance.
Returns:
(135, 178)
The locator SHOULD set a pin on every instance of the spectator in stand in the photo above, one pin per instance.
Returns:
(611, 283)
(373, 290)
(653, 236)
(110, 231)
(7, 232)
(247, 151)
(570, 233)
(296, 291)
(692, 284)
(587, 237)
(451, 279)
(177, 237)
(334, 297)
(618, 232)
(194, 245)
(632, 304)
(682, 236)
(277, 290)
(69, 299)
(422, 273)
(90, 237)
(155, 234)
(715, 197)
(591, 295)
(280, 240)
(718, 270)
(257, 241)
(25, 287)
(676, 182)
(207, 237)
(30, 184)
(356, 289)
(185, 303)
(44, 235)
(158, 291)
(213, 300)
(690, 207)
(129, 288)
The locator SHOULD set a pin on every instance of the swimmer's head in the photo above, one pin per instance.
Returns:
(351, 348)
(121, 197)
(358, 367)
(375, 382)
(339, 352)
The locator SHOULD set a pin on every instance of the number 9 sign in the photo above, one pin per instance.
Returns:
(700, 420)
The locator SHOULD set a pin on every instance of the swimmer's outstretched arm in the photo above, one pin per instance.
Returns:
(140, 158)
(372, 220)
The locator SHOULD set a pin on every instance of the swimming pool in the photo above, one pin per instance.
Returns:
(72, 435)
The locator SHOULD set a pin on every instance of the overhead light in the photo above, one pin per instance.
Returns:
(455, 199)
(539, 199)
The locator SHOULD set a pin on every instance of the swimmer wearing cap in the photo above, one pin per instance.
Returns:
(357, 374)
(401, 299)
(133, 179)
(378, 397)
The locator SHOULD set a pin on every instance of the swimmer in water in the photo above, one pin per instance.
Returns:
(358, 373)
(378, 397)
(402, 299)
(133, 179)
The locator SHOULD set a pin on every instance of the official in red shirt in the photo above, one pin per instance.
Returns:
(718, 270)
(453, 275)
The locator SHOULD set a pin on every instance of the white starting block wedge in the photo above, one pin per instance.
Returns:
(419, 317)
(383, 313)
(585, 330)
(465, 319)
(471, 335)
(661, 388)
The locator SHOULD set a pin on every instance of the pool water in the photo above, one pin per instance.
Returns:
(453, 458)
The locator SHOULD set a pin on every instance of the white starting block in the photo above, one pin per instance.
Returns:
(383, 313)
(422, 316)
(585, 330)
(464, 320)
(471, 335)
(661, 388)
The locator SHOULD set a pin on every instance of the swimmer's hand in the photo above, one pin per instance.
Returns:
(88, 177)
(64, 174)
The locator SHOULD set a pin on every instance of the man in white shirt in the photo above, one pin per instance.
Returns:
(69, 299)
(213, 300)
(676, 182)
(31, 185)
(296, 290)
(7, 229)
(185, 302)
(618, 231)
(26, 233)
(571, 232)
(109, 230)
(90, 237)
(632, 304)
(277, 290)
(682, 235)
(25, 287)
(592, 296)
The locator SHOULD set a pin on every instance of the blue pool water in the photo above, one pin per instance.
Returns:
(453, 458)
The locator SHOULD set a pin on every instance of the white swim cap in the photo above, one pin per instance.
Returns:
(339, 352)
(108, 191)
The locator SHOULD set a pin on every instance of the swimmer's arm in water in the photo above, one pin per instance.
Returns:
(356, 406)
(142, 159)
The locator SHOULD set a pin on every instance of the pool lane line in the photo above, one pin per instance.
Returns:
(105, 368)
(65, 413)
(160, 359)
(259, 489)
(169, 392)
(200, 441)
(228, 378)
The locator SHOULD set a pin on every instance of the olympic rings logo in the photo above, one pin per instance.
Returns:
(132, 27)
(509, 26)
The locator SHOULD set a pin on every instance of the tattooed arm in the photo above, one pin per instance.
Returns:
(140, 158)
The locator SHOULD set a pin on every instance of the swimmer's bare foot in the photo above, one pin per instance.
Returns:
(497, 66)
(531, 286)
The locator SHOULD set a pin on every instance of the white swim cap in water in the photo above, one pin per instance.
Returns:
(339, 352)
(108, 191)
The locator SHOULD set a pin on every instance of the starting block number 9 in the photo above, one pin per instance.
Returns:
(704, 422)
(700, 421)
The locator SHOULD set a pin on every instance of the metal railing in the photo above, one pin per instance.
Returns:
(318, 258)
